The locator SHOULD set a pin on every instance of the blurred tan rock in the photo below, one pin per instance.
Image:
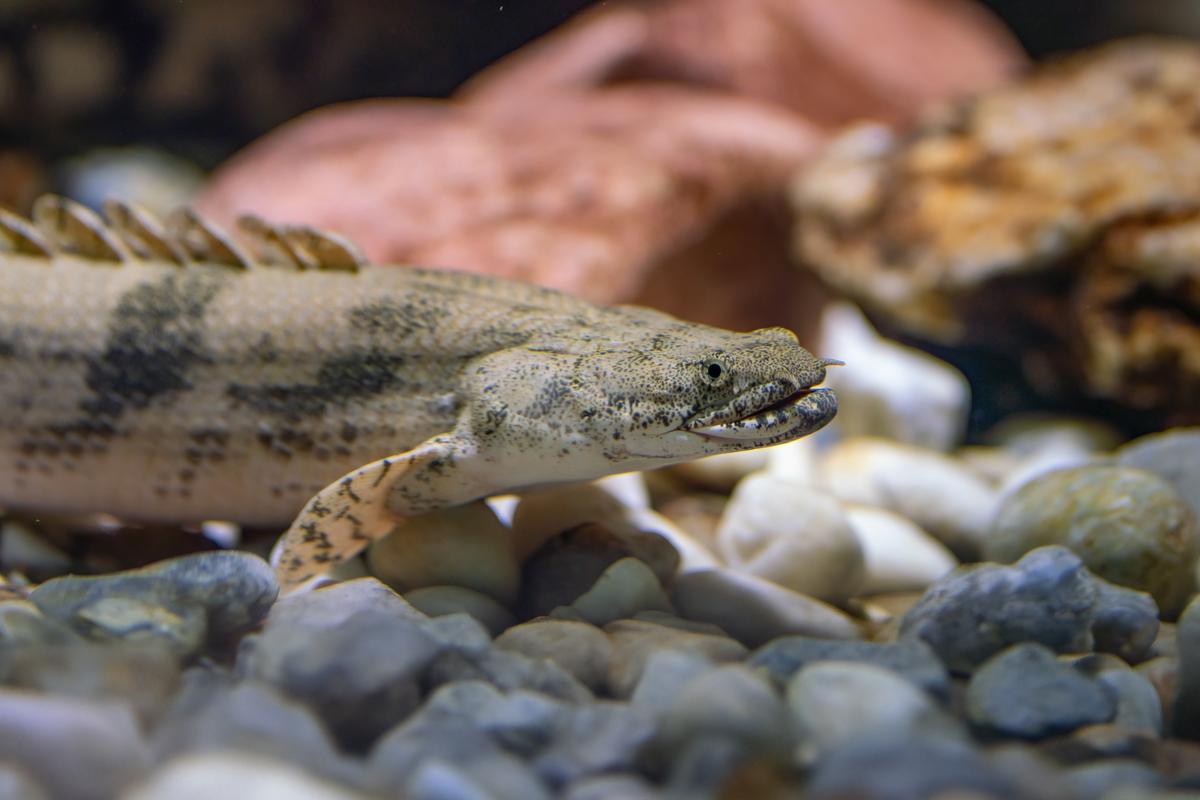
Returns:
(656, 195)
(1052, 221)
(832, 62)
(1137, 306)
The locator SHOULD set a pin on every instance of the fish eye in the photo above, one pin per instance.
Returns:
(714, 369)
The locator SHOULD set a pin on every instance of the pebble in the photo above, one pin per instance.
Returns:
(543, 514)
(360, 676)
(522, 722)
(890, 390)
(1173, 455)
(1163, 675)
(16, 783)
(580, 648)
(472, 761)
(1125, 622)
(203, 776)
(1128, 525)
(625, 588)
(796, 460)
(754, 610)
(1186, 708)
(22, 623)
(22, 550)
(78, 749)
(1138, 707)
(892, 768)
(572, 563)
(635, 641)
(507, 670)
(791, 534)
(833, 703)
(212, 713)
(897, 555)
(183, 602)
(1042, 443)
(498, 778)
(144, 676)
(729, 701)
(1101, 778)
(938, 493)
(1046, 597)
(592, 739)
(440, 601)
(664, 674)
(1025, 692)
(612, 786)
(332, 605)
(911, 659)
(691, 553)
(461, 546)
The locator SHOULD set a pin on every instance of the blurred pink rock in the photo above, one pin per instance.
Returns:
(832, 62)
(658, 195)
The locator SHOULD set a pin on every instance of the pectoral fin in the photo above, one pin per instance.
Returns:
(358, 508)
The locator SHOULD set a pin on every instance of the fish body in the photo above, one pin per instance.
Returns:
(161, 374)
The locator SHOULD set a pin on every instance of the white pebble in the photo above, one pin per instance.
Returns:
(891, 390)
(898, 555)
(792, 534)
(937, 492)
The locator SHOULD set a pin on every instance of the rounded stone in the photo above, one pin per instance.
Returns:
(206, 775)
(937, 492)
(833, 703)
(183, 601)
(754, 610)
(543, 514)
(1125, 622)
(1173, 455)
(460, 546)
(1186, 710)
(891, 390)
(572, 563)
(727, 701)
(977, 611)
(626, 588)
(1128, 525)
(789, 533)
(1025, 692)
(578, 647)
(440, 601)
(897, 555)
(635, 641)
(911, 659)
(75, 748)
(1138, 709)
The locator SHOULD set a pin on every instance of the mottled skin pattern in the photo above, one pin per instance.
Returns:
(163, 392)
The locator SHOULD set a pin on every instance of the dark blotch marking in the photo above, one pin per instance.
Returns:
(392, 319)
(156, 333)
(341, 378)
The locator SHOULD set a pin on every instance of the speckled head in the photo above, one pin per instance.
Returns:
(674, 392)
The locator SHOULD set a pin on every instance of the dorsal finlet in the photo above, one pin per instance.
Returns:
(142, 233)
(271, 245)
(203, 241)
(327, 249)
(18, 235)
(77, 230)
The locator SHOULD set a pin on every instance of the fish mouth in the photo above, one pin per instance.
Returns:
(771, 413)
